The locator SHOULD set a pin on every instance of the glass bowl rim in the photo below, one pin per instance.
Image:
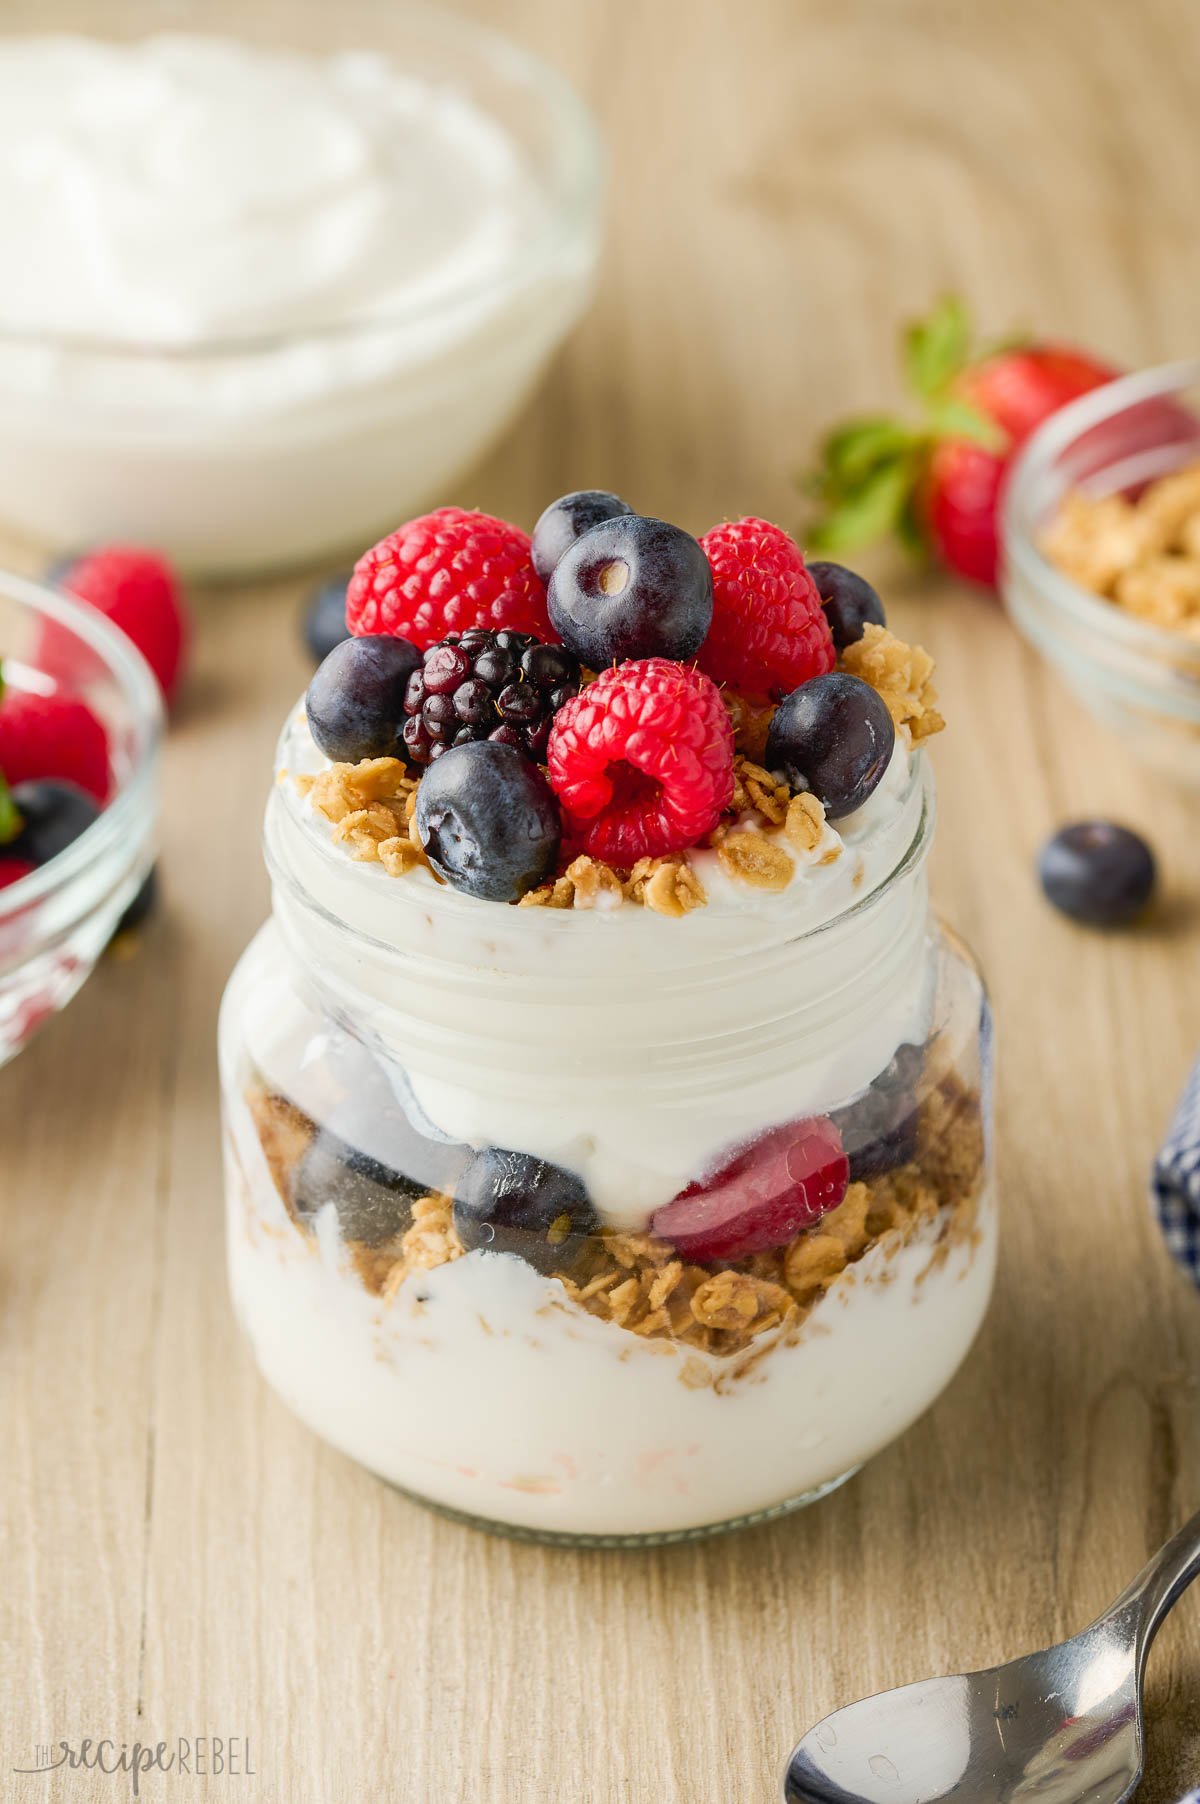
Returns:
(578, 151)
(127, 667)
(1019, 501)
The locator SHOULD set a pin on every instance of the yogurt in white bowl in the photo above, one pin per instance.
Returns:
(259, 303)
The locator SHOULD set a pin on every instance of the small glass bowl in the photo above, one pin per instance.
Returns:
(1141, 680)
(236, 454)
(55, 923)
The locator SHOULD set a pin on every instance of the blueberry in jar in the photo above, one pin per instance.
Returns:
(355, 701)
(566, 520)
(510, 1202)
(1098, 873)
(849, 601)
(629, 588)
(879, 1129)
(833, 737)
(373, 1203)
(488, 821)
(52, 816)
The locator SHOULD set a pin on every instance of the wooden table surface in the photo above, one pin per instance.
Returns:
(179, 1557)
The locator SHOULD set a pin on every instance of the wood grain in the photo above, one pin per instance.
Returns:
(179, 1557)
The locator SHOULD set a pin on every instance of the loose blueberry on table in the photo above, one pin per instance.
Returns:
(1098, 872)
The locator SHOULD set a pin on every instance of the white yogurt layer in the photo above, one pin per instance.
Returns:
(335, 279)
(481, 1387)
(184, 189)
(624, 1046)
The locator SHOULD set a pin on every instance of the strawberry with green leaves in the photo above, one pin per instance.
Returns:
(936, 482)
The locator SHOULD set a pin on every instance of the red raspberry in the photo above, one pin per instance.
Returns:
(642, 761)
(448, 572)
(52, 736)
(139, 592)
(769, 632)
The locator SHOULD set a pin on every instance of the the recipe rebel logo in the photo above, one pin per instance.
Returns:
(185, 1757)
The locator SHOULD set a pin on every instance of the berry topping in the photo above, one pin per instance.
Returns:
(488, 821)
(769, 632)
(52, 736)
(355, 701)
(879, 1129)
(761, 1196)
(513, 1203)
(566, 519)
(447, 572)
(849, 601)
(486, 685)
(139, 592)
(53, 815)
(642, 761)
(1098, 873)
(632, 588)
(833, 738)
(325, 617)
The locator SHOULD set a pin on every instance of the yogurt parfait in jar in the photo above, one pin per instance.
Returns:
(607, 1116)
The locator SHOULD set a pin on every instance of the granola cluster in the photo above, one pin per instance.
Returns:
(903, 676)
(372, 806)
(1142, 553)
(639, 1283)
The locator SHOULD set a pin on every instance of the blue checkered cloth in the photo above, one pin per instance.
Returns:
(1176, 1184)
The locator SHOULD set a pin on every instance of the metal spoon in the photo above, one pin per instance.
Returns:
(1056, 1727)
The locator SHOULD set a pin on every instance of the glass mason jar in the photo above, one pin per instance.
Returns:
(674, 1338)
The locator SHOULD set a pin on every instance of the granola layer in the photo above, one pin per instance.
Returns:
(639, 1283)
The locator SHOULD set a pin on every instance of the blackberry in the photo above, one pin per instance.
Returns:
(485, 684)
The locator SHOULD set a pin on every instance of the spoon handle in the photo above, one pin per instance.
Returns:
(1160, 1585)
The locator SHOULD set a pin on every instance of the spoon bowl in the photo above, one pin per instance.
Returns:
(1055, 1727)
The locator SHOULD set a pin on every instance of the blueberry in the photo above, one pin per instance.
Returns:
(834, 737)
(632, 588)
(53, 815)
(514, 1203)
(373, 1202)
(355, 702)
(488, 820)
(1098, 873)
(142, 906)
(849, 601)
(325, 617)
(879, 1129)
(566, 519)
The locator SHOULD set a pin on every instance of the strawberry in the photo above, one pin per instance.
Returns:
(937, 483)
